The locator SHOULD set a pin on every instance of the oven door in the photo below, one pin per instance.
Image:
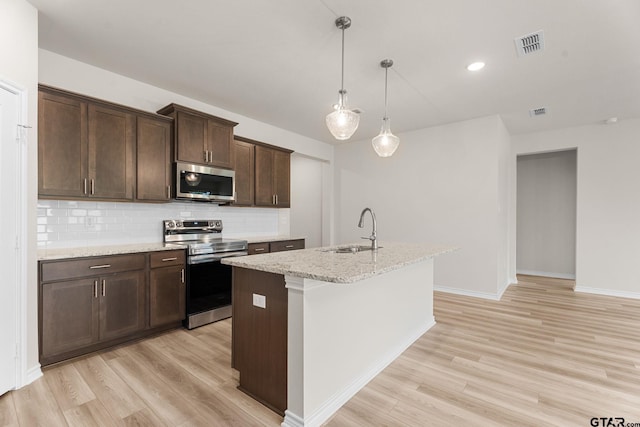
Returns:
(208, 288)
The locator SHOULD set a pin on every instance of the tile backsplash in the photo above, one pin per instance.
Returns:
(65, 224)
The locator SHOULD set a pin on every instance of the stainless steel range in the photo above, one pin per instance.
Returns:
(208, 280)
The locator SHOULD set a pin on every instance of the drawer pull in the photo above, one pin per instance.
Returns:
(169, 259)
(289, 246)
(93, 267)
(182, 275)
(95, 289)
(104, 287)
(259, 249)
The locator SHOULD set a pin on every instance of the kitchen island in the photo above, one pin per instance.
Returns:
(311, 327)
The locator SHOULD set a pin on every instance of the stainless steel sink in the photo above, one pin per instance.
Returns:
(352, 249)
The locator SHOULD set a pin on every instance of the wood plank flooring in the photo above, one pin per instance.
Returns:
(543, 355)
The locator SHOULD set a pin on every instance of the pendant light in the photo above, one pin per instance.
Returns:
(342, 122)
(385, 143)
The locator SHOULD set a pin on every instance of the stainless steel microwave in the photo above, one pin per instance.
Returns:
(204, 183)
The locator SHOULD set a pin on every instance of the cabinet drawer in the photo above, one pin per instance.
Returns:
(166, 258)
(258, 248)
(287, 245)
(69, 269)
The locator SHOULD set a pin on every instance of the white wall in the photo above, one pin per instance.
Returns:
(608, 201)
(66, 73)
(445, 184)
(546, 214)
(19, 65)
(306, 200)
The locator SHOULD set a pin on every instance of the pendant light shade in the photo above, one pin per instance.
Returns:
(342, 122)
(386, 143)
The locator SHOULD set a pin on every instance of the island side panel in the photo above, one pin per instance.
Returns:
(259, 336)
(345, 334)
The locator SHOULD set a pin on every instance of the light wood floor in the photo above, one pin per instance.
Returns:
(542, 356)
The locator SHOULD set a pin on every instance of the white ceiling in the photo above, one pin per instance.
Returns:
(278, 61)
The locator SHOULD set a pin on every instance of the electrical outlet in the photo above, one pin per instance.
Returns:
(260, 300)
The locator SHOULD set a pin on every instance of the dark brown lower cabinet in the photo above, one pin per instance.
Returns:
(167, 296)
(88, 304)
(259, 337)
(122, 304)
(70, 318)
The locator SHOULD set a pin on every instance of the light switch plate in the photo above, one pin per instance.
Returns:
(260, 300)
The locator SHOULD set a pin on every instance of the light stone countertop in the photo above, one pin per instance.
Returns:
(45, 254)
(321, 264)
(264, 239)
(87, 251)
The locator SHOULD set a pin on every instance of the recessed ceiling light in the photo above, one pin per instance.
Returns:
(475, 66)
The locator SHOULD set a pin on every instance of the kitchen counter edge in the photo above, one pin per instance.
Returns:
(323, 265)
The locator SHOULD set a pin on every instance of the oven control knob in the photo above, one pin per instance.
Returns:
(178, 224)
(218, 224)
(171, 224)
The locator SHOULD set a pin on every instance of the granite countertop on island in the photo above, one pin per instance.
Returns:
(326, 265)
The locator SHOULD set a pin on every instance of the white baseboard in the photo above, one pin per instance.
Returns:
(467, 293)
(608, 292)
(292, 420)
(547, 274)
(334, 403)
(31, 375)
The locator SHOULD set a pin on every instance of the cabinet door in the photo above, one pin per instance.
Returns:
(264, 177)
(153, 157)
(282, 178)
(62, 146)
(122, 304)
(111, 153)
(220, 139)
(167, 295)
(191, 132)
(69, 316)
(244, 166)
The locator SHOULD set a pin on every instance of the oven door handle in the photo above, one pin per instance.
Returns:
(201, 259)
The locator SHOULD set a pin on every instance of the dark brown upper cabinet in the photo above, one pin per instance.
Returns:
(272, 177)
(200, 137)
(244, 165)
(87, 148)
(153, 171)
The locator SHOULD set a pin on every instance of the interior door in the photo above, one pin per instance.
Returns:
(9, 170)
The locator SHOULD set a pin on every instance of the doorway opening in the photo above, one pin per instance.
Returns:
(546, 214)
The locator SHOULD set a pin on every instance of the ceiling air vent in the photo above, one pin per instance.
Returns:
(531, 43)
(538, 111)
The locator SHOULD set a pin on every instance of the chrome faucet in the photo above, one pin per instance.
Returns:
(373, 237)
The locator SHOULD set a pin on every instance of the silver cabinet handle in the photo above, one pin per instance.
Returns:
(206, 156)
(168, 191)
(289, 246)
(95, 289)
(258, 249)
(93, 186)
(182, 275)
(104, 287)
(169, 259)
(84, 186)
(276, 199)
(93, 267)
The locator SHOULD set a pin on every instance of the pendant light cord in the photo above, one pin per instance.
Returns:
(386, 70)
(342, 71)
